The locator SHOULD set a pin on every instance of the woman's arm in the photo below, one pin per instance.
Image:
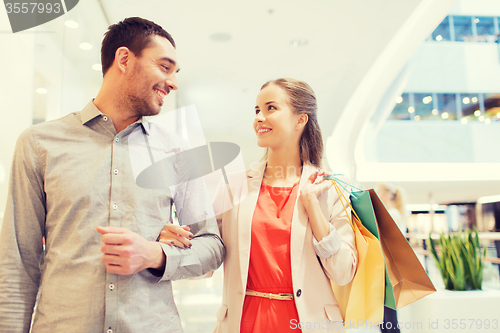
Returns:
(334, 239)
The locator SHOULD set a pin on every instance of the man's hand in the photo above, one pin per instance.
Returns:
(125, 252)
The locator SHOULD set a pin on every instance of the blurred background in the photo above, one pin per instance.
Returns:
(408, 93)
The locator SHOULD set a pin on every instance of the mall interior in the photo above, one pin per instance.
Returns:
(408, 95)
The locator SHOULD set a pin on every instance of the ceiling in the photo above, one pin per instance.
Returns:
(227, 49)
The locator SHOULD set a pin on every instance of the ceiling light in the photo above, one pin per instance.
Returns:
(427, 99)
(466, 100)
(71, 24)
(97, 67)
(298, 42)
(445, 115)
(477, 113)
(481, 119)
(434, 112)
(487, 121)
(476, 20)
(464, 121)
(498, 115)
(439, 38)
(399, 99)
(411, 109)
(417, 118)
(474, 99)
(86, 46)
(221, 37)
(42, 91)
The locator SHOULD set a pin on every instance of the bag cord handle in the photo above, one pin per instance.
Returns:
(341, 195)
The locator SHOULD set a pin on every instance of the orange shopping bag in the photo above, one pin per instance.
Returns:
(362, 300)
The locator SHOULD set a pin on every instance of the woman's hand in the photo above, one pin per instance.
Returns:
(314, 186)
(176, 235)
(309, 193)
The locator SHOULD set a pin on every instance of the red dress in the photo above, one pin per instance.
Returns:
(270, 268)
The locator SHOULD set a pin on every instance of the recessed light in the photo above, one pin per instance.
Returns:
(221, 37)
(86, 46)
(297, 42)
(97, 67)
(71, 24)
(464, 121)
(411, 109)
(487, 121)
(445, 115)
(399, 99)
(439, 38)
(42, 91)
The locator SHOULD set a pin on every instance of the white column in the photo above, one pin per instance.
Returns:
(16, 94)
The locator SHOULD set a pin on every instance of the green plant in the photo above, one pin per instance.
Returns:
(461, 260)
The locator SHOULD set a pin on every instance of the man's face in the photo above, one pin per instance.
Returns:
(153, 76)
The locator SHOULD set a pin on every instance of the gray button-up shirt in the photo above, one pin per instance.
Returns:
(69, 176)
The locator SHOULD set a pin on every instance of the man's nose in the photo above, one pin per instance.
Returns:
(171, 82)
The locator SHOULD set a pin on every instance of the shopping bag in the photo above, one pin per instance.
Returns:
(362, 298)
(409, 279)
(361, 201)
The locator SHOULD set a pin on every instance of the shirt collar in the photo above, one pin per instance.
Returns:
(90, 111)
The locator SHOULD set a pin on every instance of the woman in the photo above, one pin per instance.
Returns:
(276, 273)
(392, 197)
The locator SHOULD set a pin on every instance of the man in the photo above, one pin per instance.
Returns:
(72, 182)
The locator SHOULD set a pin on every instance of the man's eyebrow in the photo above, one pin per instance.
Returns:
(170, 60)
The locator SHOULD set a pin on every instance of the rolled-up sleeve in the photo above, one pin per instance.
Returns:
(340, 266)
(329, 245)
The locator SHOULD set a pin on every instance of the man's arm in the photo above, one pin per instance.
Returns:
(194, 209)
(21, 237)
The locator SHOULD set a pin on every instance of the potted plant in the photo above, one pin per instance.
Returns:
(462, 306)
(461, 260)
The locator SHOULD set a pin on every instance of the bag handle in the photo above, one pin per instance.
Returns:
(340, 194)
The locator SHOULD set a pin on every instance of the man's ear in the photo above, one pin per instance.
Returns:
(122, 58)
(302, 121)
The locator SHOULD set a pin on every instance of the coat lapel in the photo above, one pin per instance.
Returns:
(300, 222)
(245, 216)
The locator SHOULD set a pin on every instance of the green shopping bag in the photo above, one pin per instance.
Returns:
(362, 204)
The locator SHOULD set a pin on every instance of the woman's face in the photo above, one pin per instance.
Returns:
(275, 123)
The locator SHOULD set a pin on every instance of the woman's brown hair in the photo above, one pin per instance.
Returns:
(302, 100)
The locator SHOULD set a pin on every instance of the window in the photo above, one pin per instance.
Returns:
(463, 28)
(447, 106)
(442, 32)
(492, 107)
(471, 109)
(423, 106)
(485, 27)
(402, 108)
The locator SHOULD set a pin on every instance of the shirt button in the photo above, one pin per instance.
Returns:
(115, 171)
(182, 277)
(117, 139)
(115, 206)
(105, 118)
(299, 292)
(109, 331)
(111, 286)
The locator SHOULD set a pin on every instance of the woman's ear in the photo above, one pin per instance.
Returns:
(302, 121)
(122, 58)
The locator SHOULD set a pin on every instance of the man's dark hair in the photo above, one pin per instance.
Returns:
(135, 33)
